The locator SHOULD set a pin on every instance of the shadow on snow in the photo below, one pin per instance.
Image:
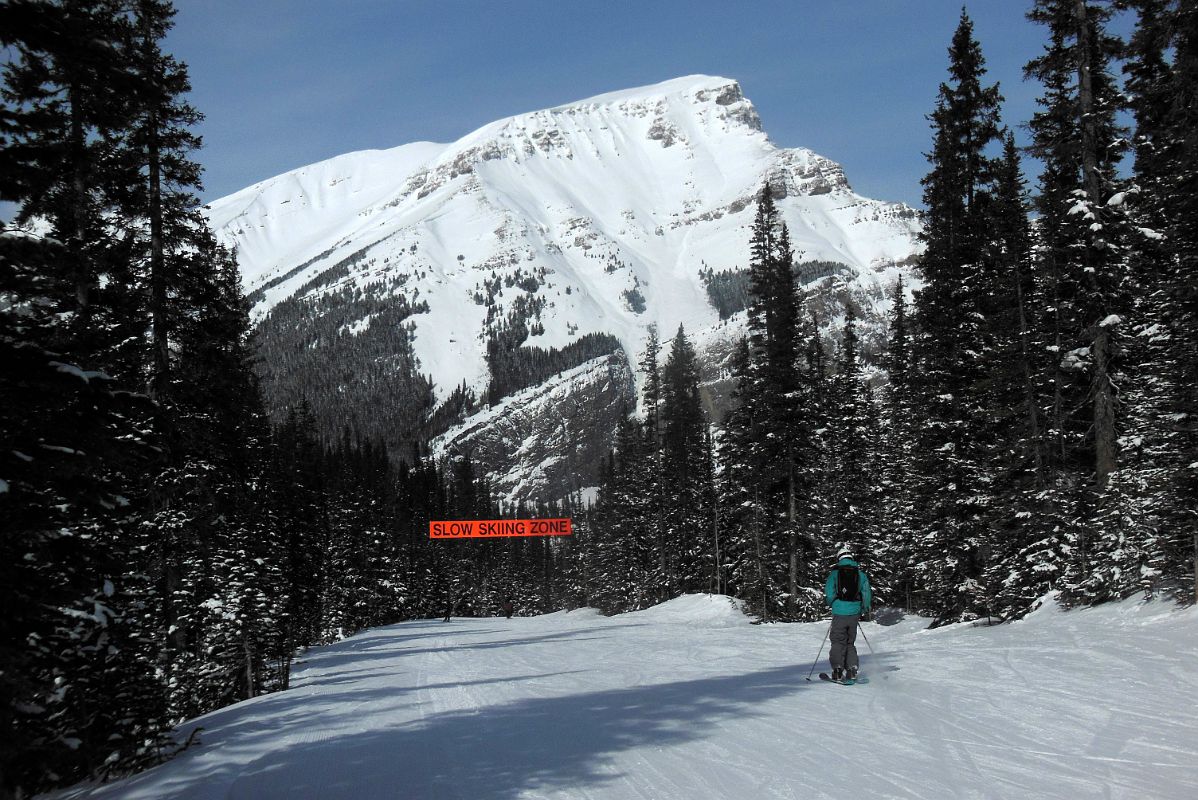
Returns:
(501, 752)
(496, 753)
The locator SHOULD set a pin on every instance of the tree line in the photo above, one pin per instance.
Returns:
(166, 550)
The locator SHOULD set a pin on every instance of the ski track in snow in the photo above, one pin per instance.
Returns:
(688, 701)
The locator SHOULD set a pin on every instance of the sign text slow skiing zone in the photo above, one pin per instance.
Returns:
(497, 528)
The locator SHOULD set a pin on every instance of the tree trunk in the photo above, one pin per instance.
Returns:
(1085, 86)
(161, 346)
(791, 541)
(1033, 416)
(1104, 409)
(765, 601)
(78, 155)
(715, 533)
(1058, 377)
(249, 667)
(1102, 391)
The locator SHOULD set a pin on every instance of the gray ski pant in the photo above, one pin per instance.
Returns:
(843, 635)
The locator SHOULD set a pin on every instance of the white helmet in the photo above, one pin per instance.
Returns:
(844, 552)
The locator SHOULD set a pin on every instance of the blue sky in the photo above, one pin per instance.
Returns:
(284, 83)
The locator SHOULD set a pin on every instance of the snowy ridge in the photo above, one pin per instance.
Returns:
(286, 220)
(604, 209)
(687, 701)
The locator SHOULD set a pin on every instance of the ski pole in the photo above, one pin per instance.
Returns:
(821, 650)
(866, 638)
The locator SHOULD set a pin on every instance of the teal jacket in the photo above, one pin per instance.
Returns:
(845, 606)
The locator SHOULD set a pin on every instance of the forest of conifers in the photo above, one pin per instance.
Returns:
(170, 542)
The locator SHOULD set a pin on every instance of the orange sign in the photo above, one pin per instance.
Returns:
(497, 528)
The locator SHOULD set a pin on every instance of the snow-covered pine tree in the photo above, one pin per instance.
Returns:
(78, 682)
(745, 574)
(768, 447)
(301, 509)
(219, 547)
(349, 595)
(1026, 546)
(1162, 87)
(419, 499)
(951, 491)
(1147, 456)
(815, 375)
(688, 508)
(661, 577)
(82, 697)
(758, 514)
(874, 497)
(894, 553)
(577, 556)
(1182, 231)
(848, 481)
(797, 408)
(1082, 257)
(218, 593)
(853, 478)
(624, 549)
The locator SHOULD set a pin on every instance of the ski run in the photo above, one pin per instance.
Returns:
(689, 700)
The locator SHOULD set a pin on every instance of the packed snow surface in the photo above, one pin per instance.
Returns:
(688, 701)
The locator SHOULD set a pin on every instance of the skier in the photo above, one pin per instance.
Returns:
(847, 591)
(508, 608)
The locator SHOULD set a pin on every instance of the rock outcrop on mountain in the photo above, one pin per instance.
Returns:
(540, 442)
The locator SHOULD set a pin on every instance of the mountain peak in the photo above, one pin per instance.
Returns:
(677, 103)
(698, 88)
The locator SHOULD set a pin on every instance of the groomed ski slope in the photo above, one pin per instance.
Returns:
(688, 701)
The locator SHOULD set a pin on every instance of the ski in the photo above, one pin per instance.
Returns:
(823, 676)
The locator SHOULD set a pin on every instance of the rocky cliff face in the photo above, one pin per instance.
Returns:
(386, 280)
(549, 440)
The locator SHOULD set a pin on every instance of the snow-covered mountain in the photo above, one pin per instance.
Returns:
(596, 217)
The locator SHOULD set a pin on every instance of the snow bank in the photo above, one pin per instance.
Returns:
(706, 610)
(571, 616)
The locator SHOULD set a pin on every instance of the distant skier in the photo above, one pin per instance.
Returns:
(508, 608)
(847, 591)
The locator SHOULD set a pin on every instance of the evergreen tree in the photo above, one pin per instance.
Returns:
(1083, 260)
(895, 552)
(65, 109)
(685, 470)
(851, 482)
(662, 575)
(81, 694)
(1157, 435)
(1023, 562)
(1182, 197)
(951, 348)
(769, 447)
(624, 554)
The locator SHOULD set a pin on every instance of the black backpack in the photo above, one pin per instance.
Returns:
(848, 583)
